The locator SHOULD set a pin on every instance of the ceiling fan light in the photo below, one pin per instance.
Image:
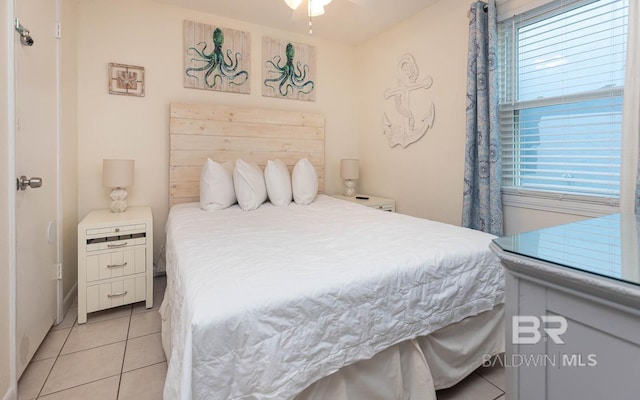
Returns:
(315, 9)
(293, 4)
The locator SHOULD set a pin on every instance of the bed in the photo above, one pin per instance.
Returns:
(329, 300)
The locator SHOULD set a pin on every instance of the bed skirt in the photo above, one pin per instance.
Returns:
(412, 369)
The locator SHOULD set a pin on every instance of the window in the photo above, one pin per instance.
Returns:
(561, 76)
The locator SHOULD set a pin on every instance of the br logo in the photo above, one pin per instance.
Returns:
(526, 329)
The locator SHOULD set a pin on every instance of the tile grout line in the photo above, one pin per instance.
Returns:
(493, 384)
(95, 347)
(56, 357)
(146, 366)
(89, 348)
(76, 386)
(104, 320)
(124, 355)
(145, 335)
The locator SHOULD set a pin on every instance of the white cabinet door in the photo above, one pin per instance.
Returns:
(36, 143)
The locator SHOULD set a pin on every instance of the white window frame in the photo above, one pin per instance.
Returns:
(574, 204)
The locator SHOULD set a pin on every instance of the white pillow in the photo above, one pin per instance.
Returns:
(278, 182)
(216, 185)
(249, 184)
(304, 182)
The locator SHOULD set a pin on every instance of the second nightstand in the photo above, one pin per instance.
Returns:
(371, 201)
(115, 252)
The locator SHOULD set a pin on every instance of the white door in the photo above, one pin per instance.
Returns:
(36, 131)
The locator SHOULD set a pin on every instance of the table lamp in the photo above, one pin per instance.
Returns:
(118, 174)
(349, 171)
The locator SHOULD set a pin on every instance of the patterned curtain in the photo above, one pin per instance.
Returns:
(482, 201)
(631, 110)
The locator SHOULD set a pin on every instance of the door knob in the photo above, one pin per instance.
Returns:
(33, 183)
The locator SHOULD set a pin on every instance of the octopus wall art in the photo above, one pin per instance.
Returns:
(291, 76)
(216, 58)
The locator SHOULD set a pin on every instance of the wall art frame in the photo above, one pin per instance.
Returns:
(288, 69)
(127, 80)
(216, 58)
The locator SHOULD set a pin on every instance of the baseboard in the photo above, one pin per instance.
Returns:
(11, 394)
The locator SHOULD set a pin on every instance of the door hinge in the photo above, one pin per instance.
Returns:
(58, 271)
(58, 30)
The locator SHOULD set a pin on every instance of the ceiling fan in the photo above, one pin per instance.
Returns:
(315, 8)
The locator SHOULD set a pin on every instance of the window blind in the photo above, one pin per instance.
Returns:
(561, 77)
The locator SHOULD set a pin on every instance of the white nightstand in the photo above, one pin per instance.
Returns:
(115, 252)
(371, 201)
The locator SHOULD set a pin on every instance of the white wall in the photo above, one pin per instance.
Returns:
(426, 178)
(141, 32)
(69, 145)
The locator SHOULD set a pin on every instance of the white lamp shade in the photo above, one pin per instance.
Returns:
(117, 173)
(349, 169)
(316, 9)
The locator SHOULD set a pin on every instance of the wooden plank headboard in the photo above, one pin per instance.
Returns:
(226, 133)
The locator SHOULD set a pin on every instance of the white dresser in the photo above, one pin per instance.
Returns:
(115, 252)
(573, 310)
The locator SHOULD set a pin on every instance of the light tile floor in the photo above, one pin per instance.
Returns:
(485, 383)
(117, 355)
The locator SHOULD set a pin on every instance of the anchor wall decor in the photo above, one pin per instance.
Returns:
(412, 127)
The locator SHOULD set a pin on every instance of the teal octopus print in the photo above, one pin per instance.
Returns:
(291, 77)
(218, 67)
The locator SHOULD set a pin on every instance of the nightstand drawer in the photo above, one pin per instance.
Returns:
(114, 230)
(116, 263)
(113, 294)
(116, 242)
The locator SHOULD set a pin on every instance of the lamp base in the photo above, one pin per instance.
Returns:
(349, 187)
(119, 204)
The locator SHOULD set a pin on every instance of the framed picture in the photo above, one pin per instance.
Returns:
(126, 79)
(216, 58)
(288, 70)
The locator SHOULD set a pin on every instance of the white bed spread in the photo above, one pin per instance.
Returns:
(266, 302)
